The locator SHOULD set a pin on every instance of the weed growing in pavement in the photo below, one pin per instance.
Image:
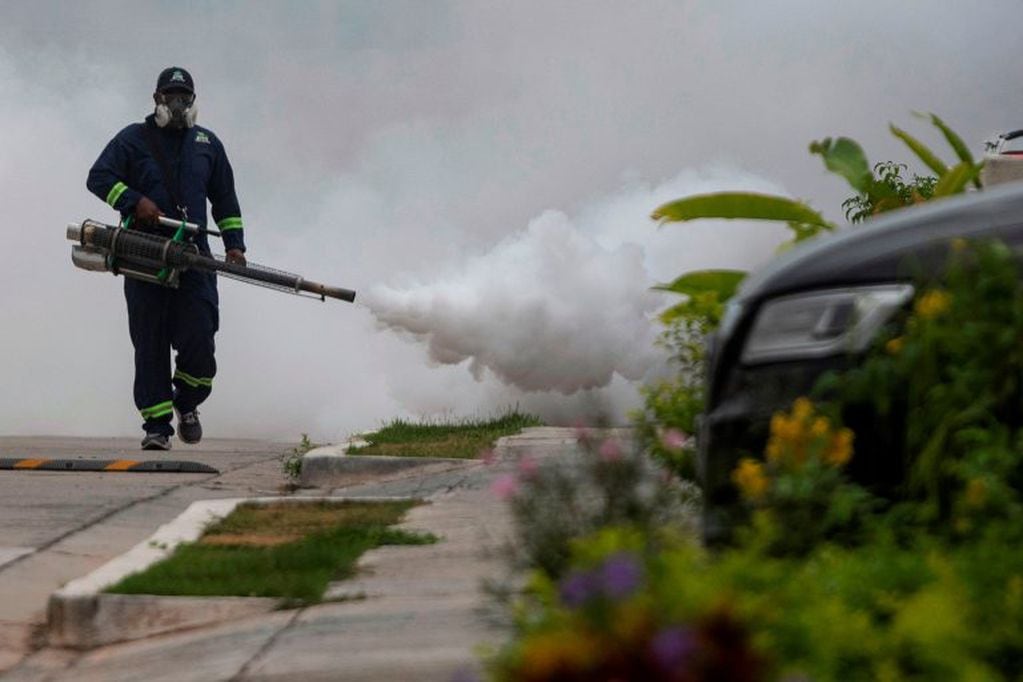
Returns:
(291, 461)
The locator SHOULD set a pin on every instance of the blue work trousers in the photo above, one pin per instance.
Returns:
(161, 319)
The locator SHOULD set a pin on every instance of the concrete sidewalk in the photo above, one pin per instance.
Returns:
(413, 612)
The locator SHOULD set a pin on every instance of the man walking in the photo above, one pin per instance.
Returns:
(168, 166)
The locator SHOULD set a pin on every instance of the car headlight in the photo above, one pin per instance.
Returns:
(822, 323)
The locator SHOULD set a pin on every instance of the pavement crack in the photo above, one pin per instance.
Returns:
(267, 645)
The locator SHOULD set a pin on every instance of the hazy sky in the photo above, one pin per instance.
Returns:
(400, 145)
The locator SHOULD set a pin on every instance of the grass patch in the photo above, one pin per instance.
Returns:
(286, 550)
(464, 438)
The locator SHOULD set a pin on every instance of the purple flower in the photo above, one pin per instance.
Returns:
(578, 588)
(621, 575)
(672, 647)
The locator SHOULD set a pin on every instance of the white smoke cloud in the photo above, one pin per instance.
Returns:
(546, 310)
(565, 305)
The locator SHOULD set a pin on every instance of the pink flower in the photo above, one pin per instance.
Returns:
(488, 456)
(505, 486)
(528, 466)
(611, 450)
(673, 439)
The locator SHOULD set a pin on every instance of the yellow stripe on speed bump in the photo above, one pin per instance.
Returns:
(29, 463)
(84, 464)
(120, 465)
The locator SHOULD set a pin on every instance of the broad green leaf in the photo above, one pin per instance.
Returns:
(704, 306)
(929, 158)
(955, 180)
(739, 205)
(845, 157)
(721, 282)
(956, 142)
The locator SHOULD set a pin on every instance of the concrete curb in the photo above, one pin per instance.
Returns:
(327, 466)
(81, 616)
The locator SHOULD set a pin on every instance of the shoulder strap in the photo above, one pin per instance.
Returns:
(170, 180)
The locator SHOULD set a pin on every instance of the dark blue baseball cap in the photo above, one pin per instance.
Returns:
(175, 78)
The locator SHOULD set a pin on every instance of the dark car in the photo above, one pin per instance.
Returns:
(819, 307)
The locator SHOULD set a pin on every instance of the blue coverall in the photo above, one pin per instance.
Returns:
(160, 318)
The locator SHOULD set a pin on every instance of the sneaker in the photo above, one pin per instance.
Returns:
(189, 428)
(156, 441)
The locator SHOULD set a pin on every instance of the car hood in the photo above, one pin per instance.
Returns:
(898, 246)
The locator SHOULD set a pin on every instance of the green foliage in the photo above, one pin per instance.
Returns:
(887, 191)
(955, 368)
(298, 570)
(671, 406)
(860, 207)
(291, 461)
(741, 205)
(459, 438)
(845, 157)
(956, 142)
(880, 612)
(706, 292)
(554, 503)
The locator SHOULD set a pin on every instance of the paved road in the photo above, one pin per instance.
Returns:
(412, 612)
(60, 525)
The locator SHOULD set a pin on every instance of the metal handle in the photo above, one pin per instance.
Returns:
(191, 228)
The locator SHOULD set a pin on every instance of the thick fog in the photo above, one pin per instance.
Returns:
(482, 173)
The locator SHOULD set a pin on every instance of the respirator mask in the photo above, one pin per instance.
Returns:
(176, 109)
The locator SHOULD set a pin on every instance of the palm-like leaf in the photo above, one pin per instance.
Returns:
(845, 157)
(721, 282)
(924, 153)
(956, 179)
(954, 141)
(740, 205)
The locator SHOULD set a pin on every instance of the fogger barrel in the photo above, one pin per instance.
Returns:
(158, 259)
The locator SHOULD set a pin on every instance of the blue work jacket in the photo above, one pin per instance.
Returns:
(127, 170)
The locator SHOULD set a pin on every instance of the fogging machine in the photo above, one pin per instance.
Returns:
(160, 259)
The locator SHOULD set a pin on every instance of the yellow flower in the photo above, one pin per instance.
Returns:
(821, 427)
(959, 245)
(775, 451)
(932, 303)
(976, 493)
(841, 450)
(750, 478)
(894, 346)
(802, 408)
(784, 428)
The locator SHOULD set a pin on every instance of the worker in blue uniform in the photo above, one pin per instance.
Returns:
(168, 166)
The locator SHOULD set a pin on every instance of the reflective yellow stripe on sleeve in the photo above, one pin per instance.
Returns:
(115, 193)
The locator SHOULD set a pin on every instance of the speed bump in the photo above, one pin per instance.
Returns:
(127, 465)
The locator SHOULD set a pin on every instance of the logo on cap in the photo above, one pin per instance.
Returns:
(178, 76)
